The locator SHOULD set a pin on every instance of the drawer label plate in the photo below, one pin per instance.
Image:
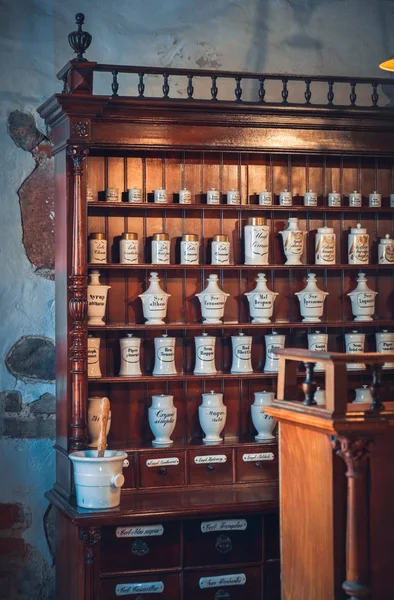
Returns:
(148, 587)
(224, 525)
(139, 531)
(256, 456)
(171, 461)
(222, 580)
(210, 458)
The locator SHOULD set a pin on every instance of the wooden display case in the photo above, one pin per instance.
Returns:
(253, 144)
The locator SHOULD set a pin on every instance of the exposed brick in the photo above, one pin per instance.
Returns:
(29, 428)
(23, 130)
(12, 401)
(45, 405)
(32, 357)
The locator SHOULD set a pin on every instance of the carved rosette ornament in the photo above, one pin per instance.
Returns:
(355, 454)
(78, 308)
(80, 129)
(90, 539)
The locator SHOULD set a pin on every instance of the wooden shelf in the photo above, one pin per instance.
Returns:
(236, 326)
(201, 267)
(234, 207)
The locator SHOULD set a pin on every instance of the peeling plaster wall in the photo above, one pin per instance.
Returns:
(337, 37)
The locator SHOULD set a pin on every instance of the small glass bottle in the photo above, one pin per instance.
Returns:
(161, 249)
(97, 248)
(220, 250)
(128, 248)
(190, 249)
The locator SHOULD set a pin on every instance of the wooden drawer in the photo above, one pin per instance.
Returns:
(139, 547)
(210, 467)
(160, 469)
(257, 465)
(246, 586)
(223, 541)
(127, 587)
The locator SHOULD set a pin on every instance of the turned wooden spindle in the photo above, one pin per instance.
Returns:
(309, 386)
(104, 416)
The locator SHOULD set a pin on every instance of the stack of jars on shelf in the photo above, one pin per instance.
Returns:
(256, 246)
(233, 197)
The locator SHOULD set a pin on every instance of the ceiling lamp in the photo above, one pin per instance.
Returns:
(387, 65)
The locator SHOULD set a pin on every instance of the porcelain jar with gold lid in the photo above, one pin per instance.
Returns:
(128, 248)
(256, 234)
(97, 248)
(220, 250)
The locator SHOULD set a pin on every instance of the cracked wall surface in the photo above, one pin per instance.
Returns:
(334, 37)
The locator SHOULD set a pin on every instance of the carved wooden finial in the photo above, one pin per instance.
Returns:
(79, 40)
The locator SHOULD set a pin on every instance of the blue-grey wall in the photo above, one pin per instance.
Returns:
(295, 36)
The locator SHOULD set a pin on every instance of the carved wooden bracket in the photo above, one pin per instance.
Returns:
(355, 453)
(90, 538)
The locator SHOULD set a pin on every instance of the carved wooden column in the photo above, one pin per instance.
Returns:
(90, 538)
(78, 308)
(355, 454)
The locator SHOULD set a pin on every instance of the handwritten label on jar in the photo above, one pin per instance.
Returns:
(258, 455)
(98, 251)
(139, 531)
(210, 458)
(221, 581)
(243, 351)
(365, 300)
(128, 251)
(164, 417)
(220, 253)
(295, 242)
(216, 416)
(387, 255)
(92, 356)
(225, 525)
(172, 461)
(205, 353)
(157, 302)
(359, 250)
(148, 587)
(189, 253)
(325, 249)
(131, 354)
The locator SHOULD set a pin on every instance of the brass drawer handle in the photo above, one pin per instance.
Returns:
(211, 467)
(224, 544)
(221, 595)
(139, 547)
(258, 465)
(162, 471)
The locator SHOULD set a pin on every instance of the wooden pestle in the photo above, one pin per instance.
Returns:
(104, 415)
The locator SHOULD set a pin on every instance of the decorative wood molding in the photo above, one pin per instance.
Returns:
(80, 129)
(78, 308)
(355, 454)
(90, 539)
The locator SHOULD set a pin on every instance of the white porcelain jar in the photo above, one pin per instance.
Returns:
(130, 348)
(160, 196)
(264, 423)
(94, 418)
(311, 300)
(325, 246)
(185, 196)
(320, 396)
(256, 235)
(233, 197)
(161, 249)
(310, 198)
(112, 195)
(363, 395)
(94, 356)
(358, 246)
(386, 250)
(261, 301)
(285, 198)
(363, 300)
(242, 353)
(354, 344)
(318, 342)
(134, 195)
(154, 301)
(205, 355)
(375, 200)
(213, 196)
(89, 194)
(273, 342)
(162, 419)
(220, 250)
(97, 248)
(334, 199)
(212, 416)
(190, 249)
(355, 199)
(265, 198)
(212, 300)
(385, 345)
(128, 248)
(97, 299)
(293, 242)
(164, 356)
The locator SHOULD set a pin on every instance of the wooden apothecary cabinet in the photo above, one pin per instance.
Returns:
(249, 144)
